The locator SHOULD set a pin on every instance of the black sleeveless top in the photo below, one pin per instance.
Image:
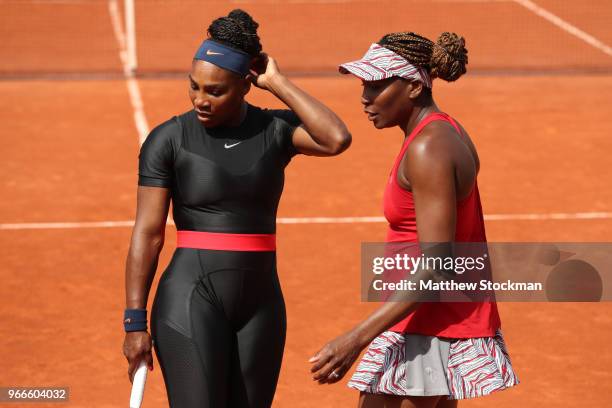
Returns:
(223, 179)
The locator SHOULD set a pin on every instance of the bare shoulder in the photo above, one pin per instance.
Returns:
(430, 155)
(435, 141)
(465, 137)
(438, 148)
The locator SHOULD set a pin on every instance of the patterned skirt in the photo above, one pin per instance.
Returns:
(418, 365)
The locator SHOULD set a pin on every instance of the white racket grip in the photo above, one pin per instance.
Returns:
(138, 385)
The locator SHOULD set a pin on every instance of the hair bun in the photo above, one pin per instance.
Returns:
(449, 57)
(245, 20)
(238, 30)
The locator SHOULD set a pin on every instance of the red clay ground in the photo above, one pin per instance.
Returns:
(318, 35)
(543, 142)
(70, 154)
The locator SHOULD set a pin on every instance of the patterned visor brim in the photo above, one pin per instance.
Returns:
(381, 63)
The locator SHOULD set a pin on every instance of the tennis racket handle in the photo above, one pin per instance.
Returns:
(138, 385)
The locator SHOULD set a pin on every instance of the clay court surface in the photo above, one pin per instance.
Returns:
(69, 155)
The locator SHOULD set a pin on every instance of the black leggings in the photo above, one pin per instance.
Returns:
(218, 325)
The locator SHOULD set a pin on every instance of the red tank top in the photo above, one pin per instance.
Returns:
(442, 319)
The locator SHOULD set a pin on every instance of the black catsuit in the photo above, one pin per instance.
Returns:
(218, 320)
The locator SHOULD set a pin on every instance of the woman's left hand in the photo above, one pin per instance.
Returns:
(333, 361)
(263, 71)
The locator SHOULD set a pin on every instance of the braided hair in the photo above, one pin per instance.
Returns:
(237, 30)
(445, 59)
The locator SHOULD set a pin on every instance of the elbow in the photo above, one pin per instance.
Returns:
(148, 239)
(157, 241)
(341, 141)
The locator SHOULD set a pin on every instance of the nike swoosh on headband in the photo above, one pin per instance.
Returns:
(232, 145)
(225, 57)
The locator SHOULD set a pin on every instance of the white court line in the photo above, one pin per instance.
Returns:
(46, 1)
(66, 225)
(328, 220)
(255, 2)
(564, 25)
(550, 216)
(312, 220)
(140, 118)
(312, 2)
(470, 1)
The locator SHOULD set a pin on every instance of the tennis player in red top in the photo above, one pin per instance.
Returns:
(422, 354)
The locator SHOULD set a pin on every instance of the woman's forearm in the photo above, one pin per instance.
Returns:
(400, 303)
(323, 125)
(140, 268)
(381, 319)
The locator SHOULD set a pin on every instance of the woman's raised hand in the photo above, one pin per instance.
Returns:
(263, 70)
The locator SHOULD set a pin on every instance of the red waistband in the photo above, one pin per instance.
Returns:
(226, 242)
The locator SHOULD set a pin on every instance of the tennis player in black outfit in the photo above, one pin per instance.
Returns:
(218, 318)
